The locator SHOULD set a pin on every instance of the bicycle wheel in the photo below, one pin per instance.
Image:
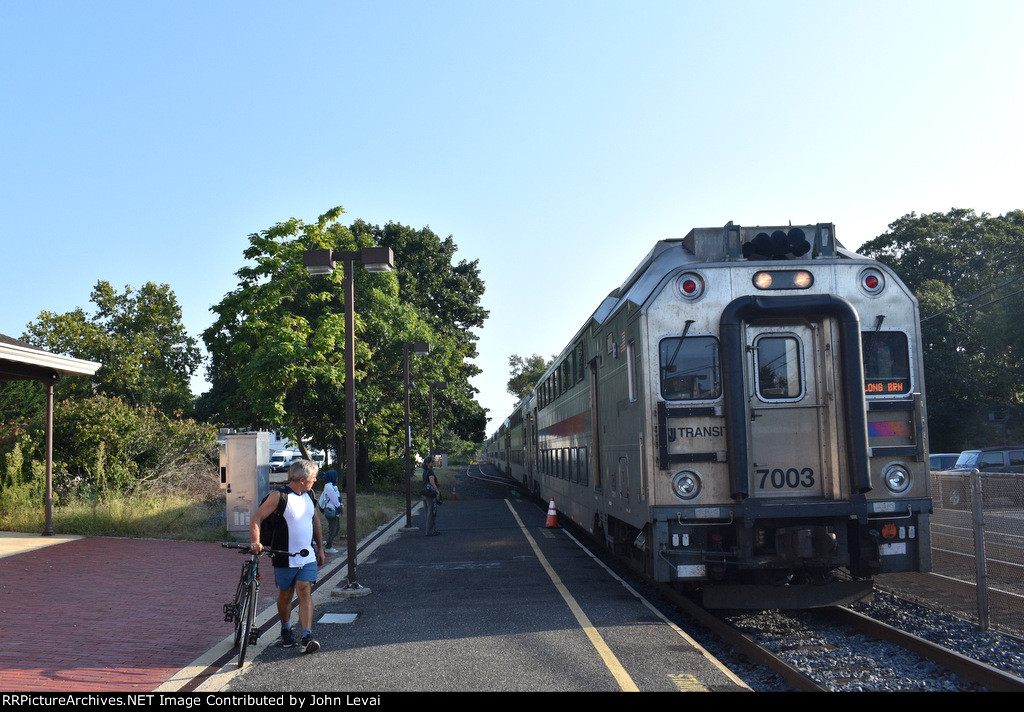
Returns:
(248, 620)
(240, 604)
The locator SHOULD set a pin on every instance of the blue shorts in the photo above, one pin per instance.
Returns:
(286, 577)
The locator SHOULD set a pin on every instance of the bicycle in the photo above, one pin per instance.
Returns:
(242, 610)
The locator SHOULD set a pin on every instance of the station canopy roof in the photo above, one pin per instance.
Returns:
(20, 361)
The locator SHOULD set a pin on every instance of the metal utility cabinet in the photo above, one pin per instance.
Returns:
(245, 473)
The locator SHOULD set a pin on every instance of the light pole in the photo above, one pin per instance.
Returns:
(420, 348)
(440, 386)
(374, 259)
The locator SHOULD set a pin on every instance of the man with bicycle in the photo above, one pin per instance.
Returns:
(297, 528)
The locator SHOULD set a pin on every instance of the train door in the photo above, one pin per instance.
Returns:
(789, 410)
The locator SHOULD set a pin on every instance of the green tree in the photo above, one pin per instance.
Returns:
(21, 400)
(525, 373)
(447, 294)
(277, 345)
(967, 271)
(146, 355)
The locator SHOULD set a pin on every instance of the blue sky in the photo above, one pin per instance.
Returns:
(556, 142)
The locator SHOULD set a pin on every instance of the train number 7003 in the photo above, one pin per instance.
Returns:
(790, 478)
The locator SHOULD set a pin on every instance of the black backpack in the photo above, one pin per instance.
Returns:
(272, 534)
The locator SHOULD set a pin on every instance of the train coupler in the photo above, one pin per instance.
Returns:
(805, 543)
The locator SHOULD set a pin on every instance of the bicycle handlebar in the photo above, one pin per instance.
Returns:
(246, 547)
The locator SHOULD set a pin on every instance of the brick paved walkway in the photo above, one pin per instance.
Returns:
(103, 614)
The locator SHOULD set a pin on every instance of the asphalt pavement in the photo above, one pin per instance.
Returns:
(499, 602)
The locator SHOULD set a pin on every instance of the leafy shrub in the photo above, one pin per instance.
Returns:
(387, 474)
(103, 444)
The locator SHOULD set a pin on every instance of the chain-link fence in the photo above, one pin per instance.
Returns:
(977, 532)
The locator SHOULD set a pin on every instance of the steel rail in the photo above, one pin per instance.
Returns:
(967, 668)
(746, 645)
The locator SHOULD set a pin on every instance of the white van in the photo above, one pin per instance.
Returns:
(280, 460)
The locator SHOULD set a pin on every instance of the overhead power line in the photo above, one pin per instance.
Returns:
(976, 296)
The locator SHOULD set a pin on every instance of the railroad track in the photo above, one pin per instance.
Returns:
(965, 667)
(792, 654)
(498, 479)
(743, 643)
(800, 639)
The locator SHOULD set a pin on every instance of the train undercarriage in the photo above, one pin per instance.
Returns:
(790, 563)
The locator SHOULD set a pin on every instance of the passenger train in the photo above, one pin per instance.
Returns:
(744, 417)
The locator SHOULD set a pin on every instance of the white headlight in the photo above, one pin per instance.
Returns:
(896, 478)
(686, 485)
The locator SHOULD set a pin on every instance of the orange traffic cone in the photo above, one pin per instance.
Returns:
(453, 492)
(552, 515)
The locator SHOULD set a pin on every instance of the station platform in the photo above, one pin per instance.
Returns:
(498, 602)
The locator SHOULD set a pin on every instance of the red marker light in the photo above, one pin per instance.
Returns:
(872, 281)
(690, 286)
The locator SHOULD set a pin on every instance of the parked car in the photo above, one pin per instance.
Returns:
(942, 460)
(955, 485)
(992, 459)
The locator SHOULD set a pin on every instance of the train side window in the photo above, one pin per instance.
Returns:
(778, 367)
(689, 368)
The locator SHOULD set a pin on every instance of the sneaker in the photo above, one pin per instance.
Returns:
(287, 638)
(330, 550)
(309, 645)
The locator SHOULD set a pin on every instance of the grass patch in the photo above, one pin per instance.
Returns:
(155, 516)
(165, 516)
(373, 509)
(169, 515)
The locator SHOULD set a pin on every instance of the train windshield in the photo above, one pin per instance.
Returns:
(689, 368)
(886, 362)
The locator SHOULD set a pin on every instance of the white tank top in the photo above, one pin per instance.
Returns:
(299, 515)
